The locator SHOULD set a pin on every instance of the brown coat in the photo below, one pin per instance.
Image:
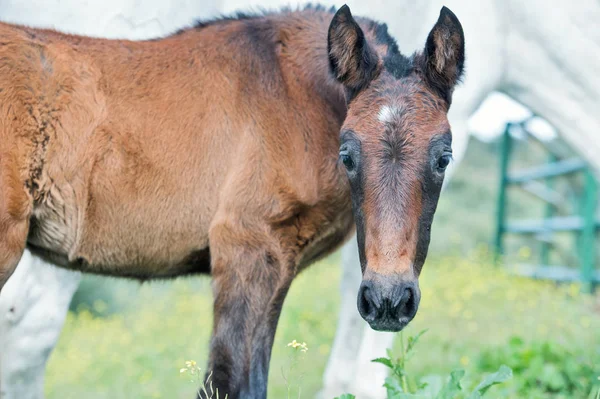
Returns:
(216, 150)
(131, 152)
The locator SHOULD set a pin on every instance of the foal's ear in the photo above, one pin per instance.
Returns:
(351, 60)
(445, 54)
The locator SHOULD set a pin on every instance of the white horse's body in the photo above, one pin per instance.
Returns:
(545, 56)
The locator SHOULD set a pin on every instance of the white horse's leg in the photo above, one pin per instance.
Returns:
(346, 372)
(369, 377)
(342, 360)
(33, 307)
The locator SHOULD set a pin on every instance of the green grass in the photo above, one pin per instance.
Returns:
(467, 305)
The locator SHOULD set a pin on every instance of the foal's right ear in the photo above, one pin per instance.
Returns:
(351, 60)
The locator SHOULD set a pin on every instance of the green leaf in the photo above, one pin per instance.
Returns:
(346, 396)
(452, 387)
(412, 341)
(384, 360)
(503, 374)
(398, 370)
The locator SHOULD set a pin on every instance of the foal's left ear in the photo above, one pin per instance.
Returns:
(352, 61)
(445, 54)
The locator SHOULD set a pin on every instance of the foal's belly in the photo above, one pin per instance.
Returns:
(129, 236)
(133, 260)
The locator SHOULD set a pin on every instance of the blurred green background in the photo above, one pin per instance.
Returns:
(126, 340)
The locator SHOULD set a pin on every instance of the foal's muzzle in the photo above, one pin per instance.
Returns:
(388, 305)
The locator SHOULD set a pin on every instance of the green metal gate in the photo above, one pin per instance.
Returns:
(583, 225)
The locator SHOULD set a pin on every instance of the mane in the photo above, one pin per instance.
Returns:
(252, 15)
(395, 62)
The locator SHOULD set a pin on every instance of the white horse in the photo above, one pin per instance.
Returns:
(544, 55)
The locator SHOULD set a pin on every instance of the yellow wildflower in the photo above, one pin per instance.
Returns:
(302, 346)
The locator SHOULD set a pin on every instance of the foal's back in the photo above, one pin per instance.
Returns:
(132, 151)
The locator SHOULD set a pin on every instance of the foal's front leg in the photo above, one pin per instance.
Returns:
(250, 282)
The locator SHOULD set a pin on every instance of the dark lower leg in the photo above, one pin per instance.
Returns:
(247, 308)
(262, 345)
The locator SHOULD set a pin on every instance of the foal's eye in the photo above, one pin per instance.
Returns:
(347, 160)
(443, 162)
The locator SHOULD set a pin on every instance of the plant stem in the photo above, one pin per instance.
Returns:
(403, 377)
(402, 349)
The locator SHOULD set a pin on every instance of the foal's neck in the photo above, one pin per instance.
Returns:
(291, 45)
(301, 39)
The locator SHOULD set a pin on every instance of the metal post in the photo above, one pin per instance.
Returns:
(548, 213)
(588, 234)
(501, 205)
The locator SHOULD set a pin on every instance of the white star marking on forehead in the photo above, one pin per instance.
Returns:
(388, 113)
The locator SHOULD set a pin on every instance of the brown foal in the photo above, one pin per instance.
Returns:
(246, 147)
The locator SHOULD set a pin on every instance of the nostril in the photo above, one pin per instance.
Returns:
(368, 303)
(406, 304)
(407, 301)
(364, 305)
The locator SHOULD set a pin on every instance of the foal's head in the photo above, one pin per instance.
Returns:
(395, 145)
